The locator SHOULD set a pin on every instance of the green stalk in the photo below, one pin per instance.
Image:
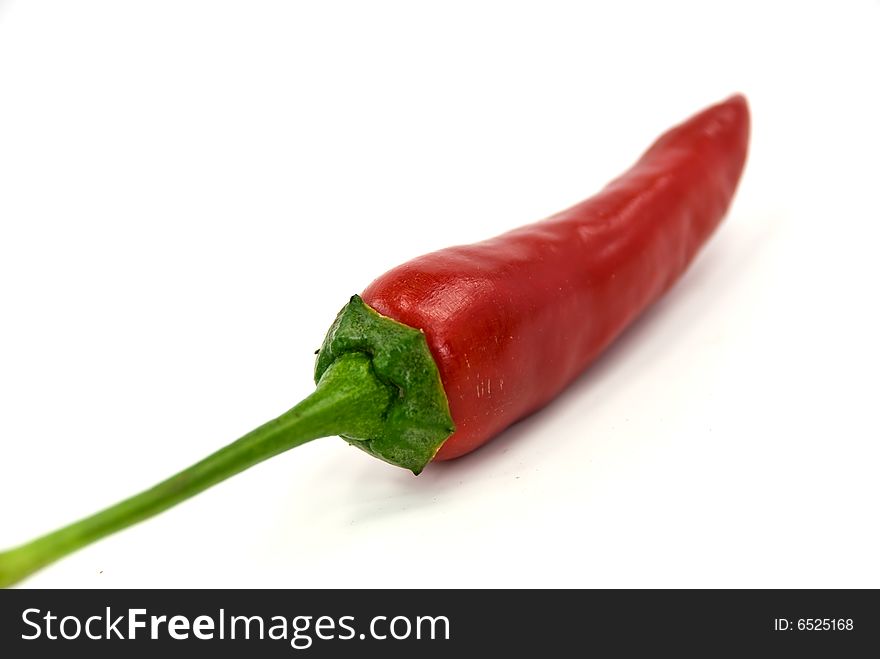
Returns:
(377, 386)
(349, 400)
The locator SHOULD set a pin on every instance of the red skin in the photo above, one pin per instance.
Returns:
(512, 320)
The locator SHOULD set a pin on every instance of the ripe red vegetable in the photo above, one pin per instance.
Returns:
(510, 321)
(444, 352)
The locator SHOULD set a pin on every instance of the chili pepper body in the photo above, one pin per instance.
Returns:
(512, 320)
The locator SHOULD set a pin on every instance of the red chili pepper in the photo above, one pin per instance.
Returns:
(512, 320)
(444, 352)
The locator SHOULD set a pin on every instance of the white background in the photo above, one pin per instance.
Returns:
(189, 191)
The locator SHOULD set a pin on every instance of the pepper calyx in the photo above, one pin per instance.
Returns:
(417, 421)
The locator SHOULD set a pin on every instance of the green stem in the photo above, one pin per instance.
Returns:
(349, 399)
